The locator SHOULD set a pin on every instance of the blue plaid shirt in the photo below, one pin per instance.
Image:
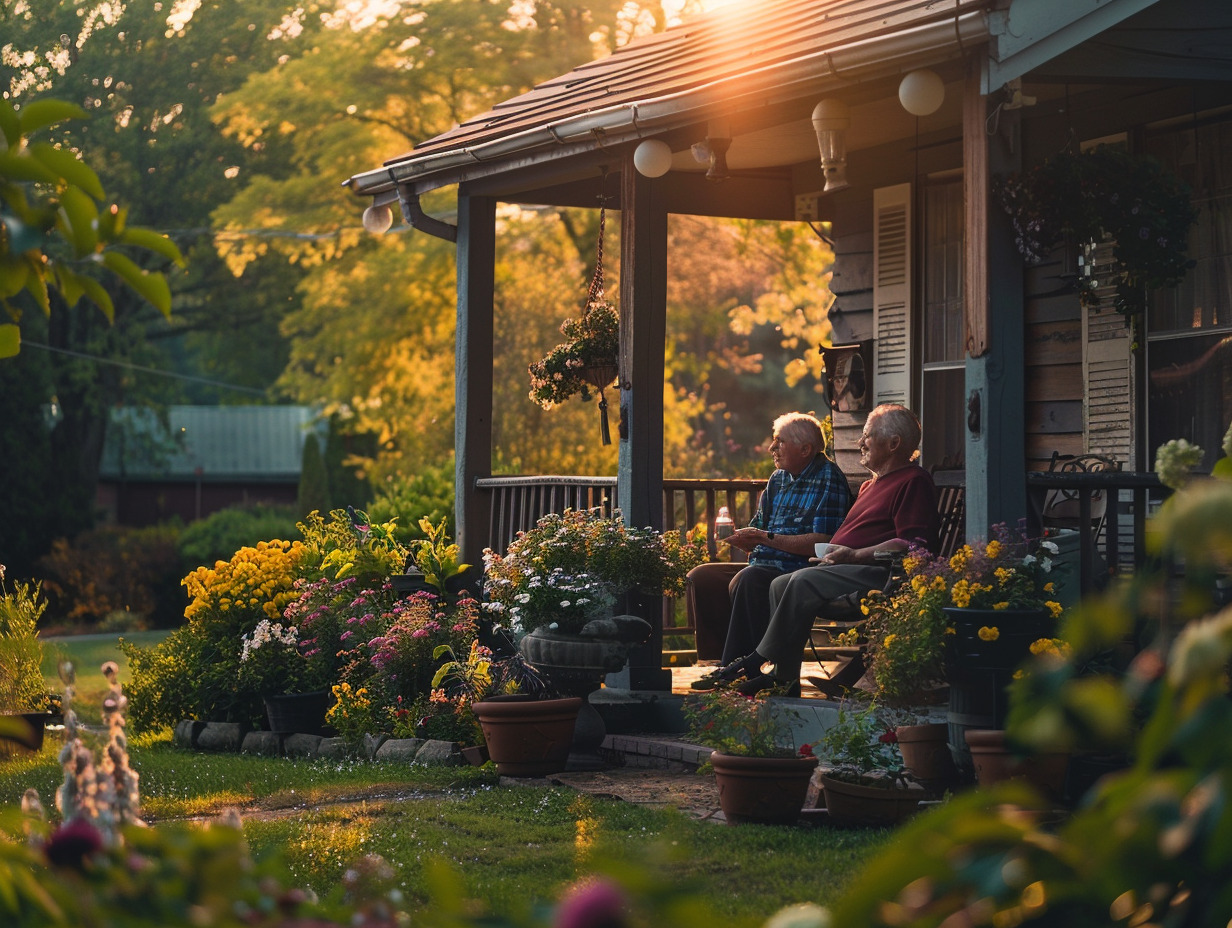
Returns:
(815, 501)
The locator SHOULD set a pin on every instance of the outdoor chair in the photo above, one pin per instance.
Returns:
(1062, 507)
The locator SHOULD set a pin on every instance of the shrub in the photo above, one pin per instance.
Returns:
(194, 672)
(221, 534)
(115, 569)
(427, 494)
(21, 676)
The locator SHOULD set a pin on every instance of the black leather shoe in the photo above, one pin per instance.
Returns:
(723, 676)
(769, 684)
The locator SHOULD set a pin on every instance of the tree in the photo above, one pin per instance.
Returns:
(57, 227)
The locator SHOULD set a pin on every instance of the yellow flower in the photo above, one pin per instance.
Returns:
(939, 583)
(1003, 575)
(1056, 608)
(864, 608)
(889, 640)
(993, 549)
(1001, 605)
(1018, 674)
(989, 633)
(949, 630)
(1049, 587)
(910, 564)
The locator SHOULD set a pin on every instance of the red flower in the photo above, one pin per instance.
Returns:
(806, 750)
(889, 736)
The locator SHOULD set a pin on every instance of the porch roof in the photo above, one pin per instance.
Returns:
(741, 65)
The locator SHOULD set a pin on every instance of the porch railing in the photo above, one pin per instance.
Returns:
(1121, 538)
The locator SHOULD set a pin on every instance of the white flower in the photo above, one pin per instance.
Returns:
(1028, 560)
(1174, 461)
(565, 604)
(523, 598)
(1046, 565)
(1050, 547)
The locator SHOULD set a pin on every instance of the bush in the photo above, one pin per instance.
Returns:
(21, 676)
(194, 672)
(221, 534)
(428, 494)
(112, 569)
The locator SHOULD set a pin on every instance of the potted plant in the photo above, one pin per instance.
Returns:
(23, 699)
(760, 777)
(1105, 193)
(527, 729)
(862, 771)
(292, 685)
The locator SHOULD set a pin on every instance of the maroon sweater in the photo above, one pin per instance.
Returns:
(902, 504)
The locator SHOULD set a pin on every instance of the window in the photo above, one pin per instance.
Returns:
(944, 374)
(1189, 328)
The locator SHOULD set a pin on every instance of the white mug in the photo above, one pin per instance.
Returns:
(821, 548)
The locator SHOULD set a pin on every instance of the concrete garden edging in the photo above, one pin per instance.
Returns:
(231, 737)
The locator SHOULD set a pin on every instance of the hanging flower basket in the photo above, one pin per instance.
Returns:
(588, 357)
(1100, 194)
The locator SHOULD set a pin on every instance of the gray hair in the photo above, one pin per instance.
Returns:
(800, 427)
(895, 419)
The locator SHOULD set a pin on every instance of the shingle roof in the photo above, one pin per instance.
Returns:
(739, 55)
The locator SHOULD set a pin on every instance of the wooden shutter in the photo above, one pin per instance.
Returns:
(1107, 370)
(892, 276)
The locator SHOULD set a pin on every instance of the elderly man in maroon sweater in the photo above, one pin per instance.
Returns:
(897, 507)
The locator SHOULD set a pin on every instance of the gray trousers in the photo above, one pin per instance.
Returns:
(796, 599)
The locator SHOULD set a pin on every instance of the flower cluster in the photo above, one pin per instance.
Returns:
(733, 723)
(582, 555)
(592, 344)
(351, 714)
(1105, 192)
(402, 658)
(271, 662)
(907, 629)
(258, 580)
(1175, 460)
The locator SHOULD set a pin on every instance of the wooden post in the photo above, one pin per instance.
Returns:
(473, 370)
(643, 331)
(995, 446)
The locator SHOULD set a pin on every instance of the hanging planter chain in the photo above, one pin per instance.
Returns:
(600, 375)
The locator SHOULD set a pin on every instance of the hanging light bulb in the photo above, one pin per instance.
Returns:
(652, 158)
(921, 92)
(378, 218)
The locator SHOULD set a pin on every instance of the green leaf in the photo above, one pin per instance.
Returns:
(14, 271)
(69, 167)
(155, 242)
(98, 295)
(19, 166)
(80, 217)
(10, 125)
(22, 235)
(10, 340)
(42, 113)
(152, 287)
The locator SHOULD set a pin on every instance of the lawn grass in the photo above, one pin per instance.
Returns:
(511, 847)
(88, 653)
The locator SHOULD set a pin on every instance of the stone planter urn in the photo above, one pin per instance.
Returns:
(575, 665)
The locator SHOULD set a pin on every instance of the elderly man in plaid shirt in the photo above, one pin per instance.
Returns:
(805, 501)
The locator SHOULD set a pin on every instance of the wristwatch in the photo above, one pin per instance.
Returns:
(769, 536)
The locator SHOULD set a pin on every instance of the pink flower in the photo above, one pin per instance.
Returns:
(72, 843)
(596, 903)
(806, 750)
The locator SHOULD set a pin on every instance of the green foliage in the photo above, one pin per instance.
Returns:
(1150, 843)
(1106, 191)
(21, 674)
(591, 346)
(113, 569)
(860, 743)
(54, 227)
(736, 724)
(437, 556)
(220, 534)
(427, 493)
(351, 546)
(313, 492)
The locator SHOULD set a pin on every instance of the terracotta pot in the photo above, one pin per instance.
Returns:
(297, 713)
(857, 804)
(761, 790)
(528, 738)
(995, 762)
(926, 754)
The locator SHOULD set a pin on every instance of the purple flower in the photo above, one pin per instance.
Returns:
(593, 904)
(72, 843)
